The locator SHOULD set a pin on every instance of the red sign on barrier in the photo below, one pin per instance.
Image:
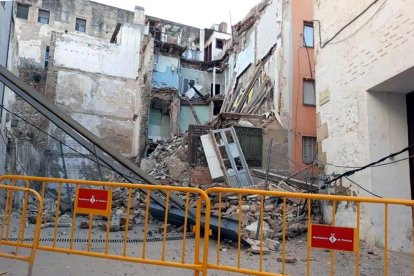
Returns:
(91, 201)
(333, 237)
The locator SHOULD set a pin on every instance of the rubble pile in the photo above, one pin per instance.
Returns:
(49, 210)
(119, 210)
(296, 217)
(168, 163)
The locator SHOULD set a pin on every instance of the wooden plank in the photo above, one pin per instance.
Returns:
(276, 178)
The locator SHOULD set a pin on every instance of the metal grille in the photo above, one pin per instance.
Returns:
(251, 143)
(196, 156)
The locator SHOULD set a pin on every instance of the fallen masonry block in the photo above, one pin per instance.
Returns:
(288, 259)
(256, 250)
(115, 223)
(272, 244)
(251, 242)
(52, 224)
(252, 229)
(161, 228)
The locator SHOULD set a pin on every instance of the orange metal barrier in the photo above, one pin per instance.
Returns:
(93, 200)
(219, 195)
(16, 247)
(95, 211)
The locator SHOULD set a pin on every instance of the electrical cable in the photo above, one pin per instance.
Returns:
(353, 182)
(71, 148)
(379, 165)
(15, 154)
(351, 172)
(322, 45)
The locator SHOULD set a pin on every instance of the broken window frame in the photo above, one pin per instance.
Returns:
(42, 18)
(22, 11)
(78, 25)
(230, 154)
(309, 100)
(309, 149)
(308, 34)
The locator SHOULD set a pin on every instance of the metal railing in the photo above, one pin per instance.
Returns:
(96, 210)
(17, 219)
(314, 236)
(94, 200)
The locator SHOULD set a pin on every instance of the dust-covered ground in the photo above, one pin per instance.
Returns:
(51, 264)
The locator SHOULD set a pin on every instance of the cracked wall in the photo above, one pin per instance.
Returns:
(99, 81)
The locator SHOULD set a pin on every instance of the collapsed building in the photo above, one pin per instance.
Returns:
(127, 77)
(137, 81)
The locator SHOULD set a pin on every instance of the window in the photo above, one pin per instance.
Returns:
(47, 56)
(43, 17)
(22, 11)
(309, 97)
(208, 53)
(186, 85)
(80, 25)
(308, 34)
(219, 43)
(217, 107)
(217, 89)
(308, 149)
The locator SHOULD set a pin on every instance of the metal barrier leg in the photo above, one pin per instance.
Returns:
(30, 270)
(197, 238)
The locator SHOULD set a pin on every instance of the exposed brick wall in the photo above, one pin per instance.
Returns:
(201, 175)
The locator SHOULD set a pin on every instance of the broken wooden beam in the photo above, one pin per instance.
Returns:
(277, 178)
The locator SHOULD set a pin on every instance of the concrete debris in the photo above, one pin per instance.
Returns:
(256, 250)
(168, 162)
(296, 217)
(287, 259)
(168, 228)
(49, 210)
(52, 225)
(272, 244)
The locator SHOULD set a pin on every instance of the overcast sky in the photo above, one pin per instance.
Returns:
(197, 13)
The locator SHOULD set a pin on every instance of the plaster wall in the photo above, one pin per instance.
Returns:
(202, 78)
(34, 36)
(218, 53)
(120, 60)
(303, 115)
(166, 72)
(268, 29)
(104, 98)
(356, 126)
(247, 54)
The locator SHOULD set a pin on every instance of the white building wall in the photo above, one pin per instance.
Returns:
(216, 52)
(357, 127)
(120, 60)
(96, 82)
(269, 29)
